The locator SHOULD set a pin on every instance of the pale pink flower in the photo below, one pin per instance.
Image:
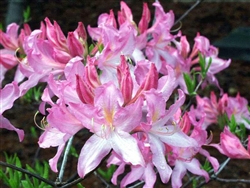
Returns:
(57, 134)
(238, 106)
(180, 169)
(41, 61)
(157, 49)
(12, 42)
(161, 128)
(9, 40)
(111, 124)
(211, 108)
(203, 46)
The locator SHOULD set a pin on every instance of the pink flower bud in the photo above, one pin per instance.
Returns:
(91, 76)
(143, 24)
(80, 30)
(125, 80)
(74, 45)
(231, 146)
(84, 91)
(150, 81)
(55, 35)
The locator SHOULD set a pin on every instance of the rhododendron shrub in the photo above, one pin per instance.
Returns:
(129, 91)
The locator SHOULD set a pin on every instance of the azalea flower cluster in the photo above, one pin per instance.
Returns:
(119, 89)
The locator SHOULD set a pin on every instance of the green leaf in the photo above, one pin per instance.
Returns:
(223, 120)
(107, 175)
(207, 167)
(241, 131)
(91, 47)
(4, 177)
(194, 183)
(79, 185)
(100, 47)
(73, 152)
(204, 67)
(30, 169)
(202, 62)
(232, 124)
(45, 170)
(26, 14)
(28, 181)
(191, 84)
(209, 63)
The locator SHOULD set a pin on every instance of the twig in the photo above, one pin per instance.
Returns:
(137, 184)
(49, 182)
(74, 176)
(65, 158)
(232, 180)
(187, 12)
(221, 167)
(72, 183)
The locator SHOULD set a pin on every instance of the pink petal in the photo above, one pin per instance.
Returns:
(109, 99)
(52, 137)
(158, 149)
(118, 172)
(53, 161)
(92, 153)
(126, 146)
(135, 174)
(194, 167)
(8, 95)
(127, 121)
(178, 173)
(5, 124)
(68, 123)
(155, 104)
(145, 19)
(149, 176)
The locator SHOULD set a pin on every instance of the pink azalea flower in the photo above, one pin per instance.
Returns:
(55, 134)
(7, 61)
(125, 14)
(157, 49)
(162, 123)
(183, 158)
(238, 106)
(40, 62)
(180, 169)
(203, 46)
(231, 146)
(161, 129)
(9, 40)
(55, 35)
(111, 124)
(210, 108)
